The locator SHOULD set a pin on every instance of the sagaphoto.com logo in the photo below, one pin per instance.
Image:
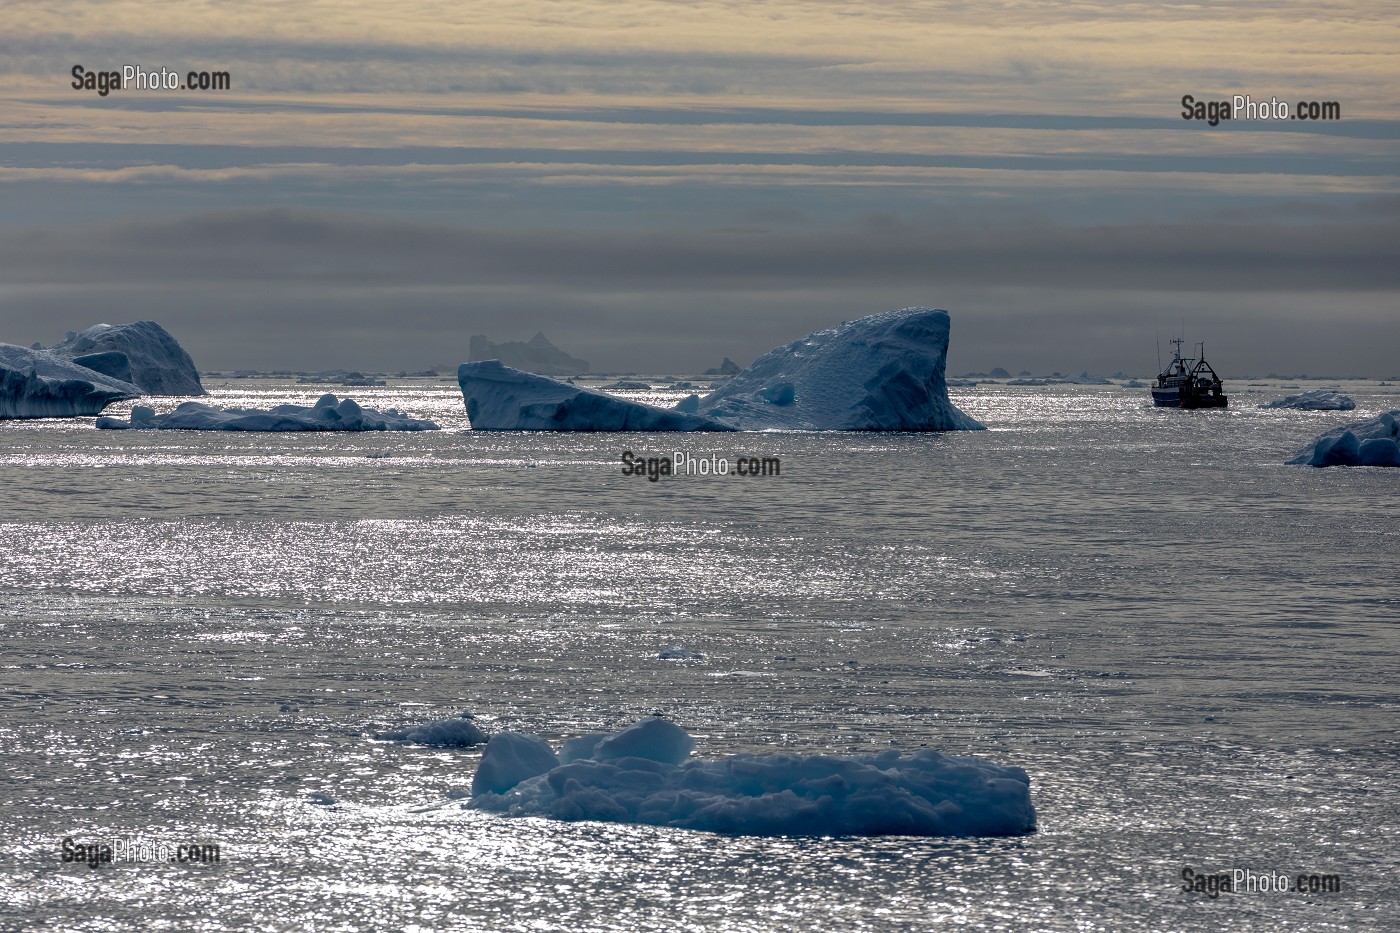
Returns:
(134, 77)
(99, 853)
(680, 463)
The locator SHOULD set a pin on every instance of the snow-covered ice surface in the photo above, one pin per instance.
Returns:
(155, 360)
(1314, 400)
(328, 414)
(40, 384)
(1374, 442)
(498, 398)
(883, 372)
(641, 775)
(201, 634)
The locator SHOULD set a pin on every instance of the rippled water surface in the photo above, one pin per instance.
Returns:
(1191, 647)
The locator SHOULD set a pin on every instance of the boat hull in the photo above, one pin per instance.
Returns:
(1172, 398)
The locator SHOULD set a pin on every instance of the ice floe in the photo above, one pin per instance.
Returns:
(328, 414)
(1314, 400)
(461, 732)
(643, 774)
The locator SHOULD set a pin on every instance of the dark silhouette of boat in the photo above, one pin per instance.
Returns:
(1189, 383)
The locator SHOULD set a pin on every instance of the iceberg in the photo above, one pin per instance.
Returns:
(1314, 400)
(884, 372)
(727, 368)
(328, 414)
(155, 360)
(499, 398)
(41, 384)
(643, 775)
(443, 733)
(1363, 443)
(537, 355)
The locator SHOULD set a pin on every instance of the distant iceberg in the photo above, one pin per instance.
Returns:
(1314, 400)
(41, 384)
(642, 775)
(155, 361)
(1364, 443)
(884, 372)
(461, 732)
(328, 414)
(499, 398)
(727, 368)
(536, 355)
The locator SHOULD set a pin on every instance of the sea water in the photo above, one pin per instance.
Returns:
(1190, 646)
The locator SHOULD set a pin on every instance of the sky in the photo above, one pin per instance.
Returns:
(658, 185)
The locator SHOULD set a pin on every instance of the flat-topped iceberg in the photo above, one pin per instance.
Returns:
(643, 774)
(1363, 443)
(884, 372)
(155, 361)
(1314, 400)
(328, 414)
(499, 398)
(40, 384)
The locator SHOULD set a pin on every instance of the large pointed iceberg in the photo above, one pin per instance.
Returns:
(155, 361)
(39, 384)
(1363, 443)
(883, 372)
(499, 398)
(642, 775)
(328, 414)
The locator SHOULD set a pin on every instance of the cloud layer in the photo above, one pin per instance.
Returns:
(661, 184)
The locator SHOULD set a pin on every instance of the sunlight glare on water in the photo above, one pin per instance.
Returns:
(1188, 645)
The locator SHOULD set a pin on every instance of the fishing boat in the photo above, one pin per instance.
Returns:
(1188, 382)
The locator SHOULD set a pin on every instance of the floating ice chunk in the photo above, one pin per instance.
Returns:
(328, 414)
(1314, 400)
(41, 384)
(884, 372)
(512, 757)
(653, 739)
(155, 360)
(443, 733)
(499, 398)
(1362, 443)
(924, 793)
